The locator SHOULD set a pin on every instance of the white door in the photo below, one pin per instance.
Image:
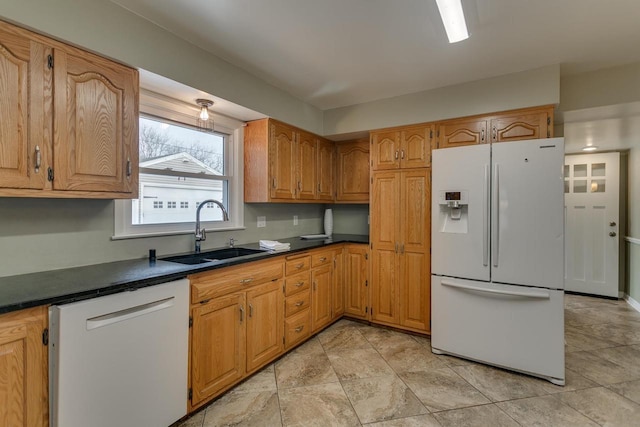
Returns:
(592, 193)
(460, 240)
(527, 230)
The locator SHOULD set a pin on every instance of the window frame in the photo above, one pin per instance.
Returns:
(157, 106)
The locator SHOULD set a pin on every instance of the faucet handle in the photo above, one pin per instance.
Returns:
(232, 242)
(203, 234)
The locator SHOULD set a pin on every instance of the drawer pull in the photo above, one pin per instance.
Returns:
(245, 281)
(323, 259)
(299, 284)
(38, 159)
(299, 266)
(299, 328)
(299, 303)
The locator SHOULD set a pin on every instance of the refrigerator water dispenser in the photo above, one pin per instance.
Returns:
(454, 211)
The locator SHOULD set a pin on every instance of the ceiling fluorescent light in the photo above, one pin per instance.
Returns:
(453, 19)
(590, 148)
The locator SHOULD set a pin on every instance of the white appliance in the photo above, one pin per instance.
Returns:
(498, 255)
(121, 360)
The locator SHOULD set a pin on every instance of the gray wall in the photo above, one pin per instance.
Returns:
(350, 219)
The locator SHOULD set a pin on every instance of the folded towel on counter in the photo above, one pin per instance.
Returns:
(274, 245)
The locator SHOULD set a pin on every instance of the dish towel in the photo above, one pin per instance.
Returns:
(274, 245)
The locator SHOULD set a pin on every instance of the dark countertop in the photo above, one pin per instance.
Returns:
(73, 284)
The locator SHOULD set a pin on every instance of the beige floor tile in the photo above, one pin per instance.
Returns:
(626, 356)
(544, 411)
(426, 341)
(194, 421)
(343, 338)
(319, 405)
(628, 389)
(596, 368)
(573, 381)
(382, 398)
(603, 406)
(244, 409)
(306, 365)
(381, 338)
(263, 380)
(418, 421)
(618, 333)
(442, 389)
(499, 385)
(485, 415)
(574, 337)
(411, 357)
(361, 363)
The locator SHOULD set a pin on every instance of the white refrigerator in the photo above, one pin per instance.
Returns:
(498, 255)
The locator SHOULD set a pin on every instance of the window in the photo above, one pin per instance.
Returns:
(181, 166)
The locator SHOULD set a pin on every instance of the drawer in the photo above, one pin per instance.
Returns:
(297, 328)
(215, 283)
(296, 303)
(297, 265)
(297, 283)
(321, 258)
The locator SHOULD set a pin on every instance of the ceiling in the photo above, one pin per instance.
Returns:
(333, 53)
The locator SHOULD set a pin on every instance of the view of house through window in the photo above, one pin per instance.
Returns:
(180, 167)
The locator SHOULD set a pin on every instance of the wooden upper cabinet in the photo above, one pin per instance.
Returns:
(385, 150)
(460, 132)
(22, 104)
(524, 125)
(307, 166)
(23, 368)
(415, 146)
(352, 174)
(402, 148)
(286, 164)
(95, 123)
(69, 120)
(326, 170)
(282, 161)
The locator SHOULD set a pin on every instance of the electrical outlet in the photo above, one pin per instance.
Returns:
(295, 220)
(262, 221)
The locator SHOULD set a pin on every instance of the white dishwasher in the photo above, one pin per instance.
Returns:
(120, 360)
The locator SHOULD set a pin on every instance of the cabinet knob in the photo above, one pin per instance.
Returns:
(612, 234)
(612, 224)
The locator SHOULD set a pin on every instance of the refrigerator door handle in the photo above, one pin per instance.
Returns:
(495, 235)
(538, 293)
(486, 212)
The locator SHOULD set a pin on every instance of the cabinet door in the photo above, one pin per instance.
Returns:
(326, 166)
(23, 368)
(320, 297)
(532, 125)
(456, 133)
(217, 345)
(265, 324)
(414, 257)
(356, 281)
(337, 288)
(352, 171)
(282, 161)
(23, 140)
(307, 166)
(385, 150)
(415, 147)
(95, 140)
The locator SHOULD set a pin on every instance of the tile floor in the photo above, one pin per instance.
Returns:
(352, 374)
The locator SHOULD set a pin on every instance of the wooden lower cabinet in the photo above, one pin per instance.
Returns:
(23, 368)
(337, 286)
(320, 297)
(356, 281)
(265, 324)
(297, 328)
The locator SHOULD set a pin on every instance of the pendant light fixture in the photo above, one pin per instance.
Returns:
(453, 19)
(205, 122)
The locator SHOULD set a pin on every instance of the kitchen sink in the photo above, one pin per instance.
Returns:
(211, 256)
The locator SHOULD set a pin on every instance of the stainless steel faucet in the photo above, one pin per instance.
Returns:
(201, 234)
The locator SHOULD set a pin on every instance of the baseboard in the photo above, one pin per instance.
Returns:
(633, 303)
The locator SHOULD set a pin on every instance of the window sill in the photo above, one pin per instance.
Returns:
(170, 233)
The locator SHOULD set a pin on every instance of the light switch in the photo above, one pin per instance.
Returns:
(295, 220)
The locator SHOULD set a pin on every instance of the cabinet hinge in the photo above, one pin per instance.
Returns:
(50, 174)
(366, 309)
(45, 336)
(548, 121)
(50, 61)
(366, 256)
(190, 321)
(430, 134)
(366, 283)
(190, 393)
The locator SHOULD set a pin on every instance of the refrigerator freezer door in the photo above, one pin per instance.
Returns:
(513, 327)
(460, 236)
(527, 213)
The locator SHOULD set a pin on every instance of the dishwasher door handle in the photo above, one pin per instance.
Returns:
(129, 313)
